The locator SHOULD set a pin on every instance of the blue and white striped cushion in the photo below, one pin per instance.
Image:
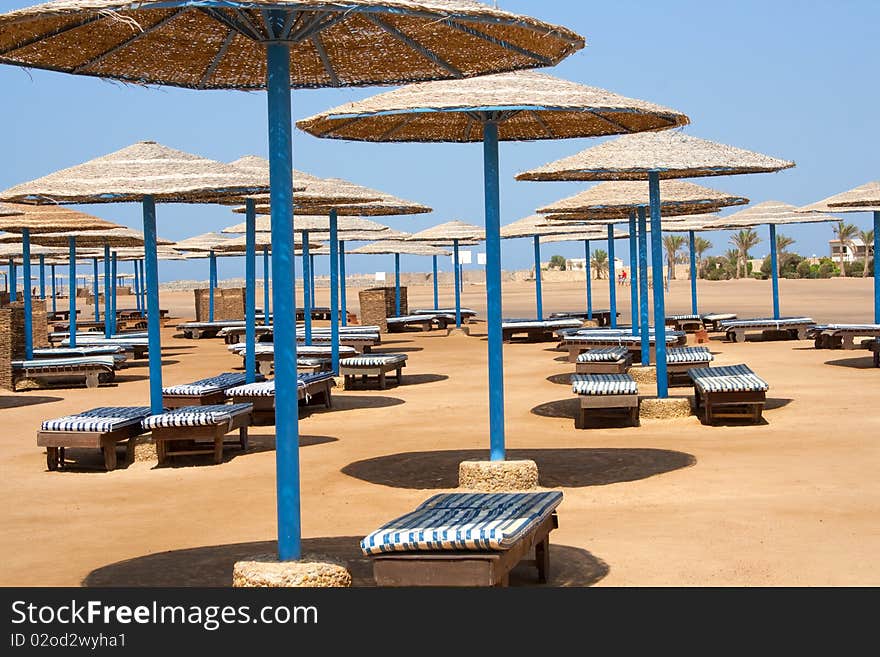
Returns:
(603, 384)
(730, 378)
(717, 317)
(102, 419)
(68, 352)
(316, 351)
(403, 319)
(196, 416)
(100, 341)
(852, 327)
(678, 355)
(603, 355)
(373, 360)
(535, 323)
(616, 339)
(443, 311)
(86, 362)
(267, 388)
(234, 323)
(313, 362)
(464, 521)
(206, 386)
(767, 322)
(680, 318)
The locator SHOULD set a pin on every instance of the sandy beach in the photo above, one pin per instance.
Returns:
(790, 502)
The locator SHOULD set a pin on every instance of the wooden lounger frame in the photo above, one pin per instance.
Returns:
(352, 372)
(730, 405)
(466, 567)
(532, 333)
(686, 325)
(193, 438)
(94, 375)
(601, 405)
(206, 399)
(605, 367)
(842, 338)
(426, 324)
(56, 442)
(738, 333)
(264, 405)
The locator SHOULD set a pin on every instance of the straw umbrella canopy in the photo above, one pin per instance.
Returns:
(656, 156)
(276, 45)
(9, 211)
(865, 198)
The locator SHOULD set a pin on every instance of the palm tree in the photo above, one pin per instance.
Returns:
(783, 242)
(744, 241)
(673, 244)
(600, 262)
(844, 233)
(867, 236)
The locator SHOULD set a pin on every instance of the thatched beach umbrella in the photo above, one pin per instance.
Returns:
(865, 198)
(454, 232)
(512, 107)
(276, 45)
(145, 172)
(656, 156)
(37, 220)
(613, 201)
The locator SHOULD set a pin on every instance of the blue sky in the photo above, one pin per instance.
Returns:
(790, 78)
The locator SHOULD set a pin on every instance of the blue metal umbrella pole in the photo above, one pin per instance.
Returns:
(643, 286)
(54, 292)
(774, 271)
(28, 302)
(42, 276)
(108, 327)
(659, 302)
(250, 291)
(612, 276)
(212, 283)
(588, 269)
(334, 294)
(397, 284)
(633, 273)
(71, 327)
(539, 301)
(95, 289)
(436, 285)
(307, 288)
(266, 315)
(343, 302)
(113, 291)
(493, 291)
(137, 287)
(154, 338)
(312, 278)
(692, 237)
(13, 281)
(876, 268)
(286, 397)
(455, 277)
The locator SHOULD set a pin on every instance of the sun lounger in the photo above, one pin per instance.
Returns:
(102, 428)
(116, 351)
(91, 370)
(236, 334)
(135, 346)
(362, 343)
(680, 360)
(535, 330)
(464, 539)
(712, 321)
(785, 328)
(265, 354)
(604, 360)
(466, 313)
(317, 312)
(599, 393)
(581, 342)
(733, 391)
(601, 317)
(842, 336)
(689, 323)
(310, 388)
(84, 325)
(314, 365)
(205, 392)
(403, 322)
(373, 365)
(199, 330)
(874, 346)
(185, 431)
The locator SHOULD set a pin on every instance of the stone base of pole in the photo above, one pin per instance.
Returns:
(644, 374)
(266, 571)
(670, 408)
(498, 476)
(458, 330)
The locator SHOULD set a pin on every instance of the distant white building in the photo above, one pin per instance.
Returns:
(852, 251)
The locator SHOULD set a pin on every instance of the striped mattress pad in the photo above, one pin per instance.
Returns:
(73, 364)
(196, 416)
(313, 362)
(267, 388)
(404, 319)
(730, 378)
(326, 337)
(317, 351)
(464, 521)
(671, 338)
(681, 355)
(373, 360)
(540, 323)
(854, 328)
(101, 341)
(603, 355)
(443, 311)
(681, 318)
(718, 317)
(603, 384)
(217, 325)
(67, 352)
(206, 386)
(102, 419)
(767, 322)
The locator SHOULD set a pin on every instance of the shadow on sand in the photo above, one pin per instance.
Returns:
(858, 363)
(17, 401)
(570, 468)
(256, 444)
(343, 401)
(211, 566)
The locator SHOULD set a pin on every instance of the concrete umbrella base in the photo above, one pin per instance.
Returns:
(498, 476)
